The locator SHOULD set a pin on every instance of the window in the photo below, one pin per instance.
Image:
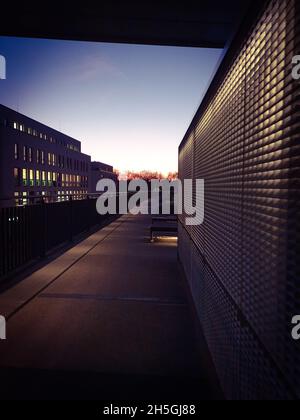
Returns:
(16, 126)
(38, 178)
(49, 159)
(54, 179)
(42, 157)
(22, 128)
(17, 177)
(30, 154)
(18, 198)
(37, 156)
(25, 201)
(44, 178)
(31, 178)
(49, 179)
(24, 153)
(24, 177)
(16, 151)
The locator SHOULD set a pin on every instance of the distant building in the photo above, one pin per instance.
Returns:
(37, 161)
(101, 171)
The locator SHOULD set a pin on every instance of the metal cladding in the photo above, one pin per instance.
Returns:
(241, 262)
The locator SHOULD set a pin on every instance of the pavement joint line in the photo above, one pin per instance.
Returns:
(19, 308)
(125, 299)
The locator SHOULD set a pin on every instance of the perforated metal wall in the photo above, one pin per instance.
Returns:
(242, 262)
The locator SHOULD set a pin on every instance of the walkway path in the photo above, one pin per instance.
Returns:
(108, 319)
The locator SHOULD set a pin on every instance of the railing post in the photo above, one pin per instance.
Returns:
(71, 217)
(43, 229)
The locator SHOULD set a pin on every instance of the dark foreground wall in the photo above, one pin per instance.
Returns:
(241, 264)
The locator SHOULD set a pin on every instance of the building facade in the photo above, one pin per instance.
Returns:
(101, 171)
(38, 161)
(242, 263)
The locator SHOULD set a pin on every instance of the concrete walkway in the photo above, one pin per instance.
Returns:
(108, 319)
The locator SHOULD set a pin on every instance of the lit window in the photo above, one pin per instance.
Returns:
(49, 179)
(24, 153)
(24, 198)
(44, 178)
(31, 178)
(30, 154)
(38, 178)
(16, 126)
(24, 177)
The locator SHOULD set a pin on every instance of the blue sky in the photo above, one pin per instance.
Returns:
(130, 105)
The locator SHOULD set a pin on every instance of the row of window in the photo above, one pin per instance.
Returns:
(38, 156)
(37, 178)
(33, 132)
(24, 198)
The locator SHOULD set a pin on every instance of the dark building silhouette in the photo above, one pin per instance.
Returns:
(100, 171)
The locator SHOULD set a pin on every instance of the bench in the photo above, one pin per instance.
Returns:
(163, 229)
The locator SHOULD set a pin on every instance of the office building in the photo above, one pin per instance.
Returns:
(100, 171)
(38, 161)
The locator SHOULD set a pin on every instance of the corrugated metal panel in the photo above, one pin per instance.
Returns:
(187, 170)
(246, 148)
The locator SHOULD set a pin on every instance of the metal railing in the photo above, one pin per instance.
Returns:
(28, 233)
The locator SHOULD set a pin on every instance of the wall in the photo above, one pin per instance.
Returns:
(241, 263)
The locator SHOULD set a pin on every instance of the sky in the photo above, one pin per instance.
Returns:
(129, 105)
